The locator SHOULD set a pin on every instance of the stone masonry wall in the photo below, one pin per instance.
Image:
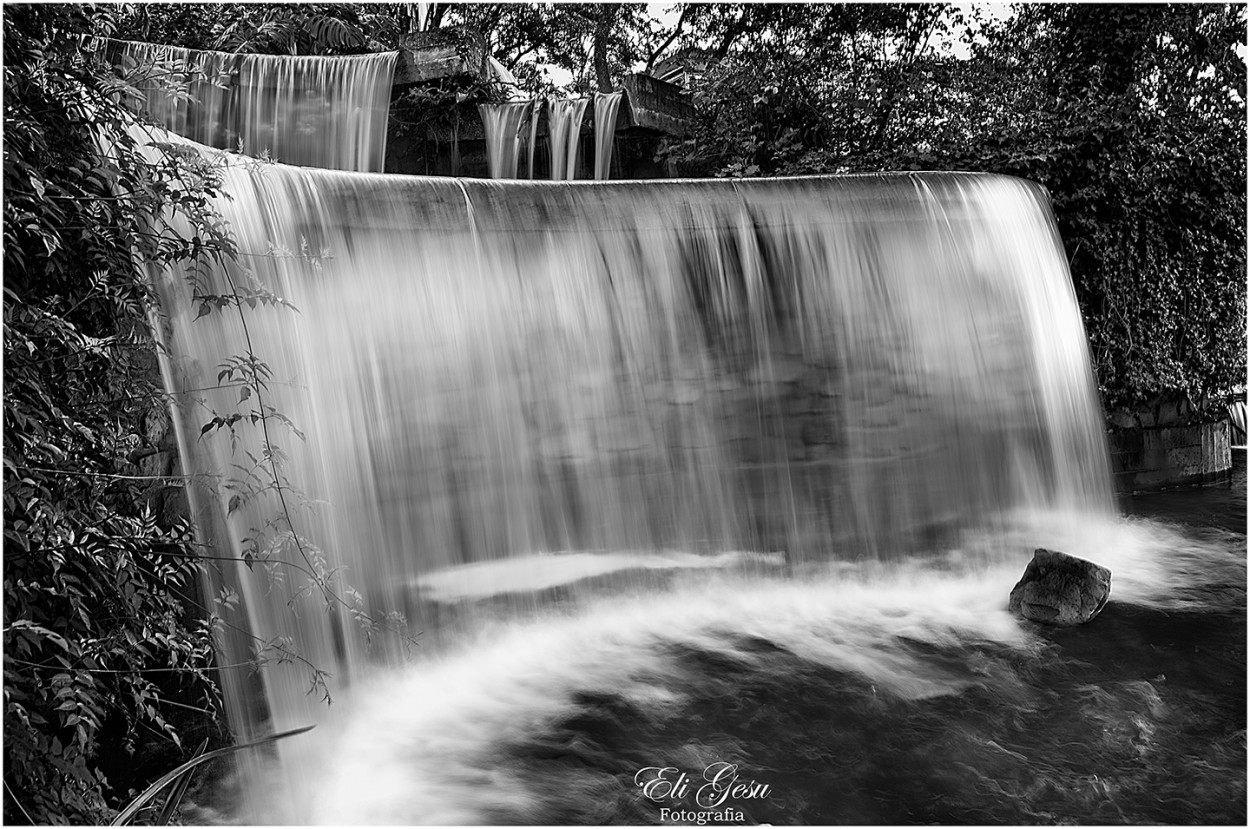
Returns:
(1170, 455)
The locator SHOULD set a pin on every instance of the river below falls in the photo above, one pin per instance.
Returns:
(857, 694)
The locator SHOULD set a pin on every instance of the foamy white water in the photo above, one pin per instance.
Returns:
(538, 572)
(426, 744)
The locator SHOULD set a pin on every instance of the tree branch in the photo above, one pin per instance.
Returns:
(681, 21)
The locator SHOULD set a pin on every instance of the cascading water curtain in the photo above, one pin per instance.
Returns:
(319, 112)
(486, 371)
(535, 108)
(502, 124)
(310, 111)
(607, 106)
(564, 126)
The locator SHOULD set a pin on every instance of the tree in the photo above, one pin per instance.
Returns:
(804, 89)
(595, 42)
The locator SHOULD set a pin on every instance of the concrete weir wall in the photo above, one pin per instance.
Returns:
(1147, 458)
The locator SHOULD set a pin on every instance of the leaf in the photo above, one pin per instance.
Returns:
(132, 808)
(56, 638)
(205, 310)
(333, 32)
(180, 789)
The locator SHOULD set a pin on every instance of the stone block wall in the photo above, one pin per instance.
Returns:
(1170, 455)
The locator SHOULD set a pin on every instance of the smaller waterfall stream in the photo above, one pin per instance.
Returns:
(564, 127)
(532, 148)
(607, 105)
(502, 124)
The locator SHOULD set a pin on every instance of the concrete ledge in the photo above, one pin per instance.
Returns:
(655, 105)
(1170, 456)
(441, 53)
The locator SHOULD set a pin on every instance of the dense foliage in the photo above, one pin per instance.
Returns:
(595, 43)
(1133, 116)
(104, 656)
(271, 28)
(1138, 127)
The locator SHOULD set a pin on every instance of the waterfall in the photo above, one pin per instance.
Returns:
(502, 125)
(564, 126)
(485, 373)
(313, 111)
(535, 109)
(545, 482)
(607, 105)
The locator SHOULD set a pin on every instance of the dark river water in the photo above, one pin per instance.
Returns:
(1220, 505)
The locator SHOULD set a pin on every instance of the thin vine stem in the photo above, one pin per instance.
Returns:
(258, 389)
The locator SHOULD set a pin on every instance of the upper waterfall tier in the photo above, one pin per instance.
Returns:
(328, 112)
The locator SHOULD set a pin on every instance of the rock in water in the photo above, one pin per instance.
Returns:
(1060, 589)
